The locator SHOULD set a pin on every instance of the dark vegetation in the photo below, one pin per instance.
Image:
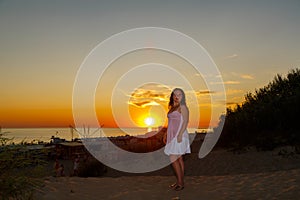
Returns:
(268, 118)
(92, 168)
(20, 170)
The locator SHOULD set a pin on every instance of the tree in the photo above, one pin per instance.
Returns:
(267, 118)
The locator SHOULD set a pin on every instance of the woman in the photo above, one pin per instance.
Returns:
(177, 139)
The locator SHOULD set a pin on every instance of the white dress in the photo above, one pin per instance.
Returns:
(172, 147)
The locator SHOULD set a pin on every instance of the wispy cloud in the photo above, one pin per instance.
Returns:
(231, 82)
(233, 92)
(143, 104)
(226, 83)
(231, 103)
(247, 76)
(233, 56)
(204, 92)
(243, 76)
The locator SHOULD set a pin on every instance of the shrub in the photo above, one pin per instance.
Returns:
(20, 171)
(91, 168)
(266, 119)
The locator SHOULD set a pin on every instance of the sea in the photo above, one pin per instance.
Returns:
(35, 135)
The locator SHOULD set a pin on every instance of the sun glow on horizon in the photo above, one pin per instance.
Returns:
(149, 121)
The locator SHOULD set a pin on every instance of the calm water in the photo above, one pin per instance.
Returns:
(44, 134)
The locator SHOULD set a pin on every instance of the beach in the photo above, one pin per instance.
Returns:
(222, 174)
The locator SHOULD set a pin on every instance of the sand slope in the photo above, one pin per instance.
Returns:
(272, 185)
(220, 175)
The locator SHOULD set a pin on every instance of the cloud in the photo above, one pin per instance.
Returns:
(204, 92)
(233, 56)
(243, 76)
(149, 95)
(226, 83)
(247, 76)
(143, 104)
(231, 82)
(233, 92)
(231, 103)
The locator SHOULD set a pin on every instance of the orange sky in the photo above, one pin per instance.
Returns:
(25, 117)
(58, 118)
(119, 101)
(21, 118)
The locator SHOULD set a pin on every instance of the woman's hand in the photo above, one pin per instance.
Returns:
(179, 138)
(165, 139)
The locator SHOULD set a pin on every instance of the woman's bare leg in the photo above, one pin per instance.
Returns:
(177, 168)
(181, 164)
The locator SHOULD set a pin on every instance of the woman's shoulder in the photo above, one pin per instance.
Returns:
(183, 108)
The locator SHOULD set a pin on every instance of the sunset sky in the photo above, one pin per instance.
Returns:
(43, 44)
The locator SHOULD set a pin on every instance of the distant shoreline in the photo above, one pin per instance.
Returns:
(33, 135)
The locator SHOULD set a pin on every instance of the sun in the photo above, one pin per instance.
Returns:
(149, 121)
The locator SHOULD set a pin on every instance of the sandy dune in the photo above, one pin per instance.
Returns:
(271, 185)
(220, 175)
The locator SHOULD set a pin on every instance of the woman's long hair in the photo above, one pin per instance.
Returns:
(171, 102)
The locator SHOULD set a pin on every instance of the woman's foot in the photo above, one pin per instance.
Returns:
(173, 185)
(178, 187)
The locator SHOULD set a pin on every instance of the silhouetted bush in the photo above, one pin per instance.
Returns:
(20, 171)
(268, 118)
(91, 168)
